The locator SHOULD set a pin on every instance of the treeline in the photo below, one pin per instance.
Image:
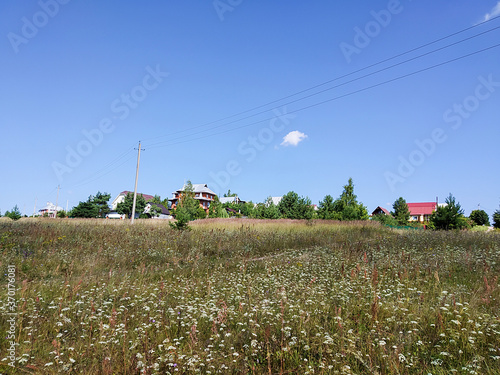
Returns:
(293, 206)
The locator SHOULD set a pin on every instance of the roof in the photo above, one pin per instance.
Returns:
(384, 210)
(51, 207)
(147, 197)
(198, 188)
(229, 199)
(424, 208)
(276, 200)
(164, 210)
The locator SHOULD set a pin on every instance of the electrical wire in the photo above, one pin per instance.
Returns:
(333, 87)
(163, 144)
(337, 78)
(104, 168)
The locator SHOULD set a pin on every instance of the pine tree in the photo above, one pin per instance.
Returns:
(401, 211)
(450, 216)
(346, 207)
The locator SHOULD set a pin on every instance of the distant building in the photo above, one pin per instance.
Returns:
(381, 211)
(121, 198)
(202, 194)
(49, 210)
(276, 200)
(164, 213)
(235, 200)
(421, 212)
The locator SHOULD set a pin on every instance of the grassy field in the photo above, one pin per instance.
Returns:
(247, 297)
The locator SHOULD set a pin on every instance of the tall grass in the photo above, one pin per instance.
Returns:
(250, 296)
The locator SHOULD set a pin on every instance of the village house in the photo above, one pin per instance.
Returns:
(421, 212)
(235, 200)
(49, 210)
(381, 211)
(121, 198)
(202, 194)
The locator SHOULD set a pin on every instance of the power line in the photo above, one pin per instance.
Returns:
(89, 180)
(166, 143)
(340, 77)
(104, 168)
(333, 87)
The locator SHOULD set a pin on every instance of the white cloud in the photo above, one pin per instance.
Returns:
(293, 138)
(493, 13)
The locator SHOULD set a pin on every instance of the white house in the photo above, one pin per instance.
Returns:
(50, 209)
(121, 197)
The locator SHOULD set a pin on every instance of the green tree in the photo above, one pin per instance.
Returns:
(181, 219)
(222, 212)
(155, 210)
(326, 209)
(156, 199)
(479, 217)
(270, 210)
(450, 216)
(229, 194)
(94, 206)
(101, 201)
(292, 206)
(125, 207)
(85, 210)
(401, 211)
(15, 214)
(385, 219)
(190, 206)
(246, 208)
(346, 207)
(62, 214)
(496, 219)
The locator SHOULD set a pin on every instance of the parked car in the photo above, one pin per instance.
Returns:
(115, 215)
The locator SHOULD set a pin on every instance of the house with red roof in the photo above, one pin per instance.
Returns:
(381, 211)
(421, 212)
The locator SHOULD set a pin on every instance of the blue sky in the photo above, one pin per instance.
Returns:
(207, 87)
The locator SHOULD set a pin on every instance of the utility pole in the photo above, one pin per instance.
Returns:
(34, 208)
(136, 178)
(57, 201)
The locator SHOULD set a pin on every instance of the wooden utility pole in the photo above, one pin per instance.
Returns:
(136, 178)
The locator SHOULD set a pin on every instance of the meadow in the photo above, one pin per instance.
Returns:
(236, 296)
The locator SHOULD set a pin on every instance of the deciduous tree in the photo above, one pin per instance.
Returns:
(479, 217)
(292, 206)
(496, 219)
